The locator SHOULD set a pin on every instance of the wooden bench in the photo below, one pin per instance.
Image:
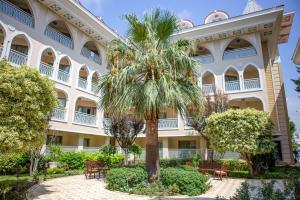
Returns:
(216, 169)
(94, 167)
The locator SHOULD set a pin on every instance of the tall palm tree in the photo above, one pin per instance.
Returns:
(148, 74)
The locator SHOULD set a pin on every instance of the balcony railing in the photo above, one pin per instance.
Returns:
(1, 49)
(183, 153)
(63, 75)
(90, 55)
(253, 83)
(232, 85)
(17, 13)
(17, 58)
(208, 88)
(170, 123)
(239, 53)
(58, 114)
(58, 37)
(84, 118)
(46, 69)
(205, 59)
(186, 123)
(82, 83)
(91, 149)
(94, 87)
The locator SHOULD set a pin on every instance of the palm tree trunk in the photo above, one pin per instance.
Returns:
(152, 150)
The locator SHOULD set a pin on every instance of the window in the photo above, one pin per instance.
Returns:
(231, 78)
(87, 110)
(162, 115)
(86, 142)
(62, 102)
(52, 139)
(187, 144)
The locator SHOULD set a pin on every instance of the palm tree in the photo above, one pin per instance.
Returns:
(148, 74)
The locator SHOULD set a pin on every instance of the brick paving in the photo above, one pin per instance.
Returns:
(79, 188)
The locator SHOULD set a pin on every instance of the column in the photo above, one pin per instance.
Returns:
(107, 141)
(80, 142)
(165, 143)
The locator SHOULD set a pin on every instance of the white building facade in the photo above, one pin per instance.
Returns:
(239, 56)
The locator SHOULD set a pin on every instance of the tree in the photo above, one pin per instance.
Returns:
(148, 74)
(247, 131)
(297, 81)
(292, 128)
(125, 130)
(26, 99)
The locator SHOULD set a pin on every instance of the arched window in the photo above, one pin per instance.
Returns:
(58, 31)
(232, 82)
(208, 82)
(95, 79)
(203, 55)
(246, 103)
(251, 78)
(64, 69)
(85, 111)
(18, 9)
(90, 51)
(58, 113)
(2, 38)
(19, 49)
(83, 77)
(47, 62)
(239, 48)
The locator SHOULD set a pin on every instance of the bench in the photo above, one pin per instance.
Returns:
(216, 169)
(94, 167)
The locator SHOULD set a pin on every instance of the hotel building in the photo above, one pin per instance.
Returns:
(67, 43)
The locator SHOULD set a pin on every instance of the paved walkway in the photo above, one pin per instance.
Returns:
(77, 188)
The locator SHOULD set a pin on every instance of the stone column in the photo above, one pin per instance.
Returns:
(80, 142)
(165, 143)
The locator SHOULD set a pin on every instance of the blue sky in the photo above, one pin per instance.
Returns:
(112, 11)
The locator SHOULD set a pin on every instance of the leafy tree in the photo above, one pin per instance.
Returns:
(292, 128)
(125, 130)
(148, 74)
(247, 131)
(297, 81)
(26, 99)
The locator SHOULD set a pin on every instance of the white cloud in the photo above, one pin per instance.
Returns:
(184, 14)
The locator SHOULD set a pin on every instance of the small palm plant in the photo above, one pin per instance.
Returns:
(148, 74)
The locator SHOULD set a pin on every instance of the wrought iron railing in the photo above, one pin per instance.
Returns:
(17, 13)
(94, 87)
(183, 153)
(232, 85)
(90, 55)
(169, 123)
(17, 58)
(239, 53)
(208, 88)
(46, 69)
(63, 75)
(58, 113)
(58, 37)
(187, 121)
(205, 59)
(253, 83)
(91, 149)
(82, 83)
(84, 118)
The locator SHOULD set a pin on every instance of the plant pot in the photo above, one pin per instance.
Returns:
(52, 165)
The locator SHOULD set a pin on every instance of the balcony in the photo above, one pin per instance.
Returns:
(186, 123)
(63, 75)
(169, 123)
(58, 37)
(17, 13)
(83, 118)
(17, 58)
(183, 153)
(239, 53)
(1, 49)
(208, 88)
(94, 87)
(232, 86)
(253, 83)
(58, 114)
(82, 83)
(90, 55)
(91, 149)
(46, 69)
(205, 59)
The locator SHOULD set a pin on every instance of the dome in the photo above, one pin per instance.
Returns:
(217, 15)
(185, 24)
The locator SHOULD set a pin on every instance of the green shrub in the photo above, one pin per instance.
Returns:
(108, 150)
(14, 163)
(136, 149)
(122, 179)
(55, 150)
(155, 189)
(74, 160)
(114, 160)
(164, 163)
(189, 182)
(239, 174)
(55, 171)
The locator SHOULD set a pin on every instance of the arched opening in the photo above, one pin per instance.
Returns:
(85, 111)
(2, 38)
(18, 54)
(232, 82)
(203, 55)
(95, 79)
(18, 9)
(58, 31)
(90, 51)
(239, 48)
(168, 119)
(59, 112)
(64, 69)
(246, 103)
(83, 77)
(208, 82)
(251, 78)
(47, 62)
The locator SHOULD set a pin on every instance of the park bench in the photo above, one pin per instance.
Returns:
(210, 167)
(94, 167)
